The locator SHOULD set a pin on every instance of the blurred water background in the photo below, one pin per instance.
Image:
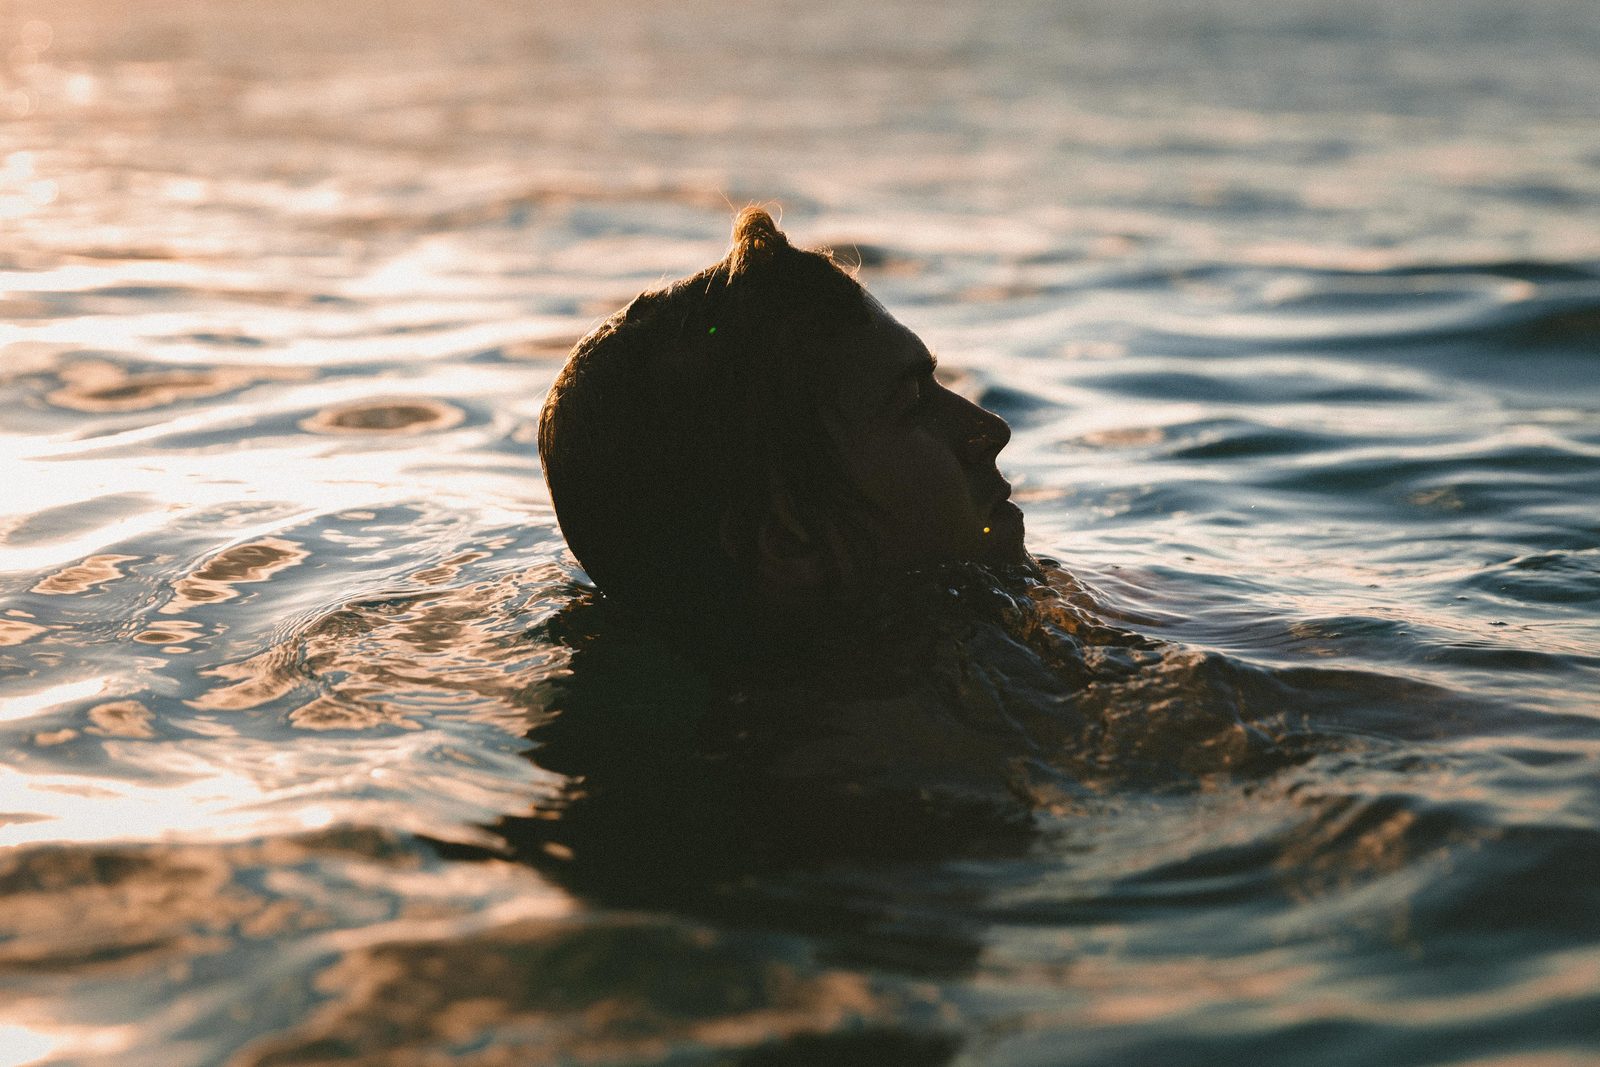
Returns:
(1294, 308)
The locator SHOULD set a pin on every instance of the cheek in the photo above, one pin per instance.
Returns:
(897, 468)
(923, 494)
(918, 491)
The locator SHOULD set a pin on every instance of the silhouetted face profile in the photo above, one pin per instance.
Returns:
(921, 456)
(762, 443)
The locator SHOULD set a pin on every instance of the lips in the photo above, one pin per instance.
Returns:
(1000, 496)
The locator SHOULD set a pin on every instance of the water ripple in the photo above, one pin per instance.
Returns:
(1302, 368)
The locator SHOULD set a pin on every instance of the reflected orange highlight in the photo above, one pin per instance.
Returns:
(168, 633)
(81, 577)
(254, 561)
(121, 718)
(101, 386)
(256, 681)
(381, 663)
(15, 632)
(412, 416)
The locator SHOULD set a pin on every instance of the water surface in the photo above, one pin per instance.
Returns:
(1295, 313)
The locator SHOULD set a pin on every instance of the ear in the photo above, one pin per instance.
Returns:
(790, 556)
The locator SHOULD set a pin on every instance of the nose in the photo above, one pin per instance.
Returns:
(983, 432)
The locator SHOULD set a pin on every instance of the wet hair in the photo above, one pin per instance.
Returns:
(672, 425)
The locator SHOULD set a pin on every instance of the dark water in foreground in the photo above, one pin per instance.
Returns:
(317, 750)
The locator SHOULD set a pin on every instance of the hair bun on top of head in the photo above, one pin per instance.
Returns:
(755, 237)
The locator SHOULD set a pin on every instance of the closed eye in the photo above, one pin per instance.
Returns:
(914, 394)
(916, 386)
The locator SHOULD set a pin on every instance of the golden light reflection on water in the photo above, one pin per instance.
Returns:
(99, 386)
(22, 190)
(14, 631)
(407, 416)
(280, 301)
(1279, 989)
(121, 718)
(387, 997)
(94, 571)
(218, 578)
(117, 718)
(213, 804)
(400, 662)
(26, 704)
(388, 662)
(23, 1044)
(153, 914)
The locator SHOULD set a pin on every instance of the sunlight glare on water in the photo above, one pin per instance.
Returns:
(20, 1045)
(319, 748)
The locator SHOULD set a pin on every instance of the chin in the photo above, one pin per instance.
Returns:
(1003, 543)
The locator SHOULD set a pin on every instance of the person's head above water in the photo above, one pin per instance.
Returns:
(763, 439)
